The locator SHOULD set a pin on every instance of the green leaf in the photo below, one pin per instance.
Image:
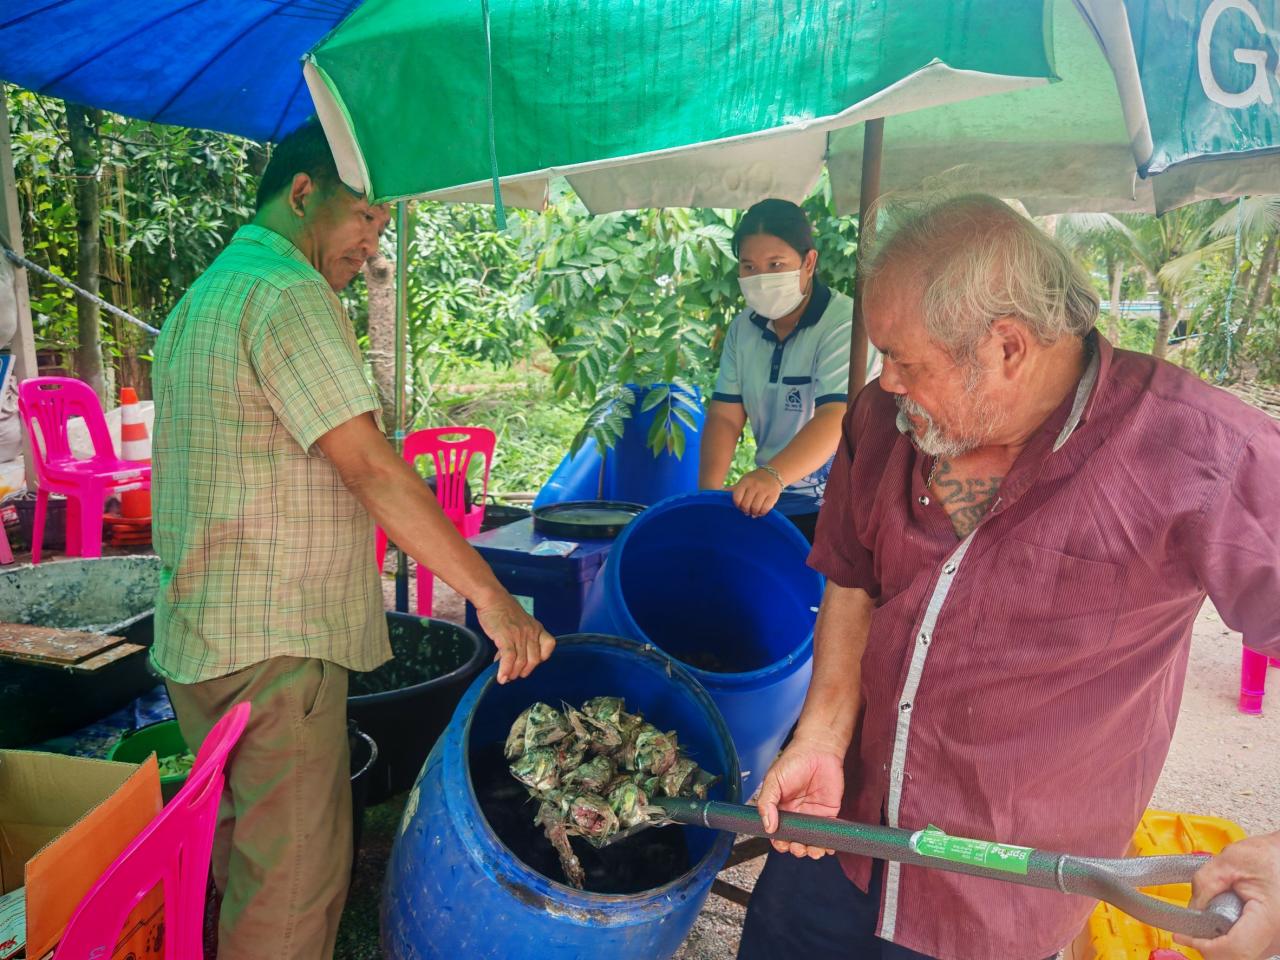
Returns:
(654, 397)
(684, 417)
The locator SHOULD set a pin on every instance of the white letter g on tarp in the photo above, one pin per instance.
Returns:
(1259, 89)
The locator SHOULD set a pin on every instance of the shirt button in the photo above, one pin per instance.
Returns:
(905, 706)
(924, 638)
(949, 567)
(924, 501)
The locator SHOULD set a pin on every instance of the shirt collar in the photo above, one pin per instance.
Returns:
(812, 313)
(271, 240)
(1087, 389)
(1060, 426)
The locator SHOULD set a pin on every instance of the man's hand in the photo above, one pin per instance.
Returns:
(410, 514)
(756, 493)
(1252, 869)
(522, 642)
(807, 778)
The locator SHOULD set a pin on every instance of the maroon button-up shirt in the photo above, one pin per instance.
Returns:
(1022, 684)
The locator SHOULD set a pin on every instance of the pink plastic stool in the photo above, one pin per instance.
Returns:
(452, 449)
(173, 850)
(1253, 679)
(50, 403)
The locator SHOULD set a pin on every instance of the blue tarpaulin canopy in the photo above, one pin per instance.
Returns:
(228, 65)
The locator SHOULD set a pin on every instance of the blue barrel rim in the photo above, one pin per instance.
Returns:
(524, 876)
(472, 663)
(748, 679)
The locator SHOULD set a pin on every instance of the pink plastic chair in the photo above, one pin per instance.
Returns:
(452, 449)
(49, 403)
(173, 850)
(1253, 679)
(6, 364)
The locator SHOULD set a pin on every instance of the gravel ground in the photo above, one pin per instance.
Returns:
(1221, 763)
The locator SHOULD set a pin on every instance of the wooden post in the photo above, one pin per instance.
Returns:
(83, 124)
(23, 346)
(872, 150)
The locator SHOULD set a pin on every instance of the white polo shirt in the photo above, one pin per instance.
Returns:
(781, 383)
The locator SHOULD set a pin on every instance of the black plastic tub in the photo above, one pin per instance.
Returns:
(406, 703)
(364, 754)
(55, 523)
(165, 740)
(499, 515)
(112, 594)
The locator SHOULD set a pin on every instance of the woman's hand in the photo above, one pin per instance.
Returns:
(756, 493)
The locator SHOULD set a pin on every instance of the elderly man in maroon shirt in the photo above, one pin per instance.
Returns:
(1020, 527)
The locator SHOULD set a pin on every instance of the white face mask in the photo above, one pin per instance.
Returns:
(772, 295)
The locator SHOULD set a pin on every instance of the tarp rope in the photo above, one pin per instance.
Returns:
(500, 214)
(1228, 324)
(64, 282)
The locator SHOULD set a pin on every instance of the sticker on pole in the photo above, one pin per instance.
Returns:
(932, 842)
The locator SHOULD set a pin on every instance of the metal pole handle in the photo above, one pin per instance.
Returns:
(1117, 881)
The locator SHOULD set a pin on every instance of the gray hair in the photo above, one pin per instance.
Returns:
(978, 260)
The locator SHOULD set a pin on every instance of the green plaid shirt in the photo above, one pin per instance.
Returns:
(264, 551)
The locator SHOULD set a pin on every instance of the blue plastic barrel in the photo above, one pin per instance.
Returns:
(728, 595)
(631, 472)
(578, 477)
(455, 890)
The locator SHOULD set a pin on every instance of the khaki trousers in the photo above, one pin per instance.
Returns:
(282, 851)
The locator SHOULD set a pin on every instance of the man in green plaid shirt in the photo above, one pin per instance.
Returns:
(269, 471)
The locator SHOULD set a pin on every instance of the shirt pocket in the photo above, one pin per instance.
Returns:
(797, 394)
(1042, 603)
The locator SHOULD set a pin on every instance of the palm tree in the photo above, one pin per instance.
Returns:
(1257, 272)
(1173, 247)
(1104, 250)
(1169, 249)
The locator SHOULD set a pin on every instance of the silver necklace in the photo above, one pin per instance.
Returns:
(933, 472)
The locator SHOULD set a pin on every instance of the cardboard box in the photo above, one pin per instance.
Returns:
(63, 821)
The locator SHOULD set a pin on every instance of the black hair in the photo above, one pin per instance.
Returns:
(305, 150)
(778, 218)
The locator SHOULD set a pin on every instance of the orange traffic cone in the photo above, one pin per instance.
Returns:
(135, 444)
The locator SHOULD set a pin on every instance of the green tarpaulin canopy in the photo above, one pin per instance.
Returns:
(709, 103)
(698, 102)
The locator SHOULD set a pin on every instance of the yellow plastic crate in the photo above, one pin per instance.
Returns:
(1111, 934)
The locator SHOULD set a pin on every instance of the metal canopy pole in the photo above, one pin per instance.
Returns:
(23, 346)
(402, 301)
(872, 151)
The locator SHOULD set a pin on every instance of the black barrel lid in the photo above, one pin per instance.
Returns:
(585, 519)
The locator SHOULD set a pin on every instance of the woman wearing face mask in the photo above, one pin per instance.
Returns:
(784, 368)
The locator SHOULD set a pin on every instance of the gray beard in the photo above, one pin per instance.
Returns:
(937, 443)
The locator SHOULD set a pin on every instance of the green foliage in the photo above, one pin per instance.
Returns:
(633, 298)
(1138, 333)
(1215, 350)
(170, 198)
(469, 299)
(534, 429)
(1224, 348)
(1262, 347)
(836, 238)
(644, 297)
